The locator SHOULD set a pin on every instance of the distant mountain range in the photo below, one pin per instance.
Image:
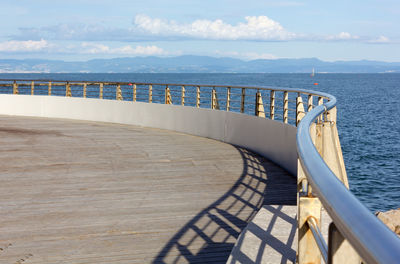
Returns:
(196, 64)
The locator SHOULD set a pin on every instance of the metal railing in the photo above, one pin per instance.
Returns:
(355, 235)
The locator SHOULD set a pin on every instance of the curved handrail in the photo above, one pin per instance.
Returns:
(374, 242)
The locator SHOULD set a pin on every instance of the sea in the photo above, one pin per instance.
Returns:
(368, 118)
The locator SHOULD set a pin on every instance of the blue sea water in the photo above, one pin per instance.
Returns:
(368, 119)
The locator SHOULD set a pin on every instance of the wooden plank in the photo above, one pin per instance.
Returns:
(87, 192)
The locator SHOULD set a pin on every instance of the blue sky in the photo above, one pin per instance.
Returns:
(251, 29)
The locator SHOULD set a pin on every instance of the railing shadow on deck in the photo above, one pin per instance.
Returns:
(217, 227)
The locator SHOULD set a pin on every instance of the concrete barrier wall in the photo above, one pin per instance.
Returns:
(274, 140)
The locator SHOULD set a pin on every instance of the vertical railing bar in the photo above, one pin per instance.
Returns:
(84, 89)
(49, 88)
(150, 93)
(183, 95)
(285, 106)
(118, 93)
(320, 102)
(228, 98)
(299, 108)
(309, 103)
(134, 92)
(32, 87)
(198, 96)
(213, 98)
(272, 105)
(68, 90)
(242, 100)
(101, 86)
(15, 87)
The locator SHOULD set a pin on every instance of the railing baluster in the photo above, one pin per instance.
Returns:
(183, 95)
(198, 96)
(310, 103)
(308, 251)
(272, 105)
(228, 98)
(118, 94)
(299, 109)
(259, 111)
(320, 102)
(242, 100)
(49, 88)
(15, 87)
(168, 99)
(150, 93)
(84, 89)
(134, 92)
(101, 86)
(68, 92)
(32, 88)
(285, 107)
(340, 250)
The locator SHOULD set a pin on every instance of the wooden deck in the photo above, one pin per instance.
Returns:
(86, 192)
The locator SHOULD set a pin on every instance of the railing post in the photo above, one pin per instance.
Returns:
(299, 109)
(320, 102)
(259, 111)
(310, 103)
(340, 250)
(228, 98)
(331, 151)
(134, 93)
(198, 96)
(118, 95)
(183, 95)
(49, 88)
(68, 92)
(285, 107)
(272, 105)
(168, 95)
(84, 89)
(150, 93)
(214, 99)
(32, 87)
(101, 86)
(308, 251)
(242, 100)
(15, 87)
(307, 206)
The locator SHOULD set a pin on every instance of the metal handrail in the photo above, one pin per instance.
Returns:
(372, 240)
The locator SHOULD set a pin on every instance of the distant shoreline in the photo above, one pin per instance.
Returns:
(195, 64)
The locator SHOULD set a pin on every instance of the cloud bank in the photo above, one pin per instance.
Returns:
(24, 46)
(15, 46)
(255, 28)
(145, 28)
(94, 48)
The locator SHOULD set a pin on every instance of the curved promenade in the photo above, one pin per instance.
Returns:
(91, 192)
(305, 143)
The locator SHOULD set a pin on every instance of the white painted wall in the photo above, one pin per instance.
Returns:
(274, 140)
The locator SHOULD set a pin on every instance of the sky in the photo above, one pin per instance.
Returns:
(79, 30)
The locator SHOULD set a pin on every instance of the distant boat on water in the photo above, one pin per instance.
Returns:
(313, 72)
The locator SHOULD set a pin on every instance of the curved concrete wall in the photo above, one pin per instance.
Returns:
(272, 139)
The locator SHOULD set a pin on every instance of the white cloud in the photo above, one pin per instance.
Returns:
(255, 28)
(95, 48)
(23, 46)
(246, 55)
(342, 36)
(380, 40)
